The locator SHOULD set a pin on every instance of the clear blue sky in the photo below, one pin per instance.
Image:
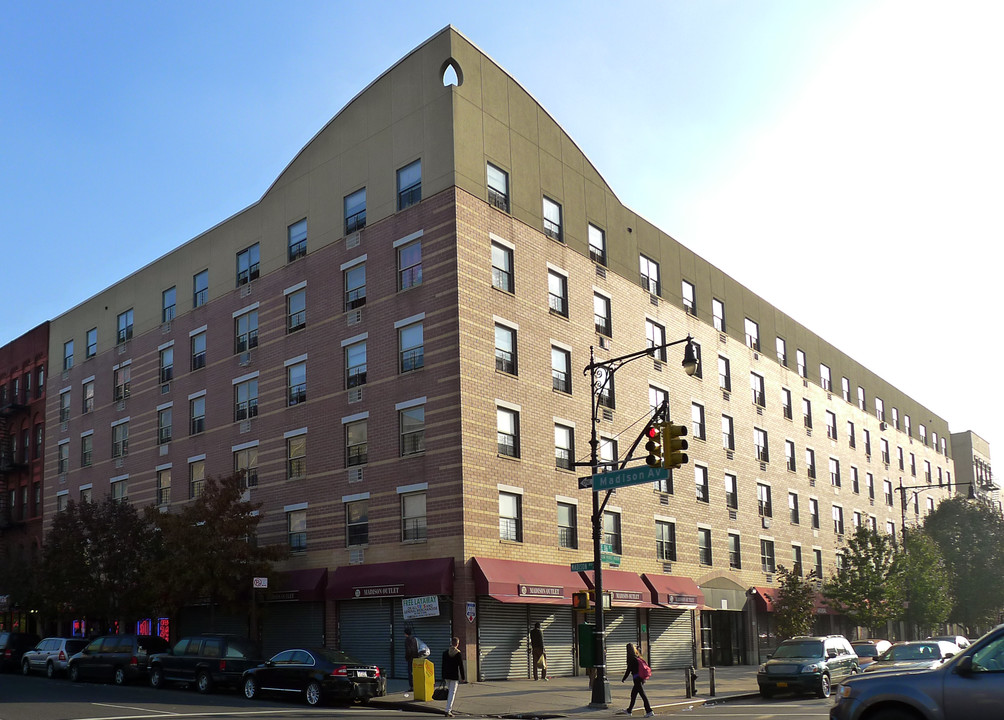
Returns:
(841, 159)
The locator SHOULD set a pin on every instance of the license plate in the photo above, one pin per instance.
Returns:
(360, 673)
(782, 684)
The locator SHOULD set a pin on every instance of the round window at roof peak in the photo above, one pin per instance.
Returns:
(451, 73)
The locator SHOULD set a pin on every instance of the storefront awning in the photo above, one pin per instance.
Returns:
(821, 607)
(764, 597)
(304, 585)
(406, 578)
(674, 591)
(626, 589)
(512, 581)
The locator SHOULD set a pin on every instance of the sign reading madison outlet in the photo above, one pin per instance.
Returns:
(377, 591)
(541, 591)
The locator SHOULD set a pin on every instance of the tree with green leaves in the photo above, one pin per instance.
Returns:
(869, 586)
(793, 603)
(970, 534)
(926, 582)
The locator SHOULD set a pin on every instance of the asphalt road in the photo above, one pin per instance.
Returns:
(783, 708)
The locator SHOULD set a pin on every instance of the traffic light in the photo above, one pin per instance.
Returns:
(580, 600)
(654, 446)
(673, 445)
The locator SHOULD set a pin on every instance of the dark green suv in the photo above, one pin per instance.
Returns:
(807, 664)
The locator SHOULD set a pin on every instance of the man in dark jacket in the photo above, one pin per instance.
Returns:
(537, 650)
(410, 653)
(453, 672)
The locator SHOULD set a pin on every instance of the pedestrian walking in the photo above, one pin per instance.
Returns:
(537, 650)
(410, 653)
(453, 672)
(640, 671)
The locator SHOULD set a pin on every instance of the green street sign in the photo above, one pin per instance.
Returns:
(628, 476)
(582, 566)
(609, 558)
(604, 547)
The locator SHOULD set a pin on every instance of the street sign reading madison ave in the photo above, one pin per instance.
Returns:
(628, 476)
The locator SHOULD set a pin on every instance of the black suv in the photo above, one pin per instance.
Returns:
(12, 646)
(119, 658)
(807, 664)
(207, 661)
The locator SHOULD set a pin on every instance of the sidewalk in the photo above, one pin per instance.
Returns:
(570, 696)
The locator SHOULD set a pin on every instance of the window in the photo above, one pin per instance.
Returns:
(789, 454)
(502, 277)
(120, 381)
(724, 374)
(198, 343)
(608, 452)
(697, 421)
(164, 486)
(855, 482)
(879, 409)
(689, 295)
(890, 528)
(817, 561)
(704, 546)
(167, 364)
(861, 398)
(296, 309)
(296, 383)
(557, 293)
(296, 238)
(412, 352)
(895, 418)
(728, 434)
(665, 541)
(564, 447)
(760, 443)
(605, 384)
(67, 355)
(657, 397)
(735, 557)
(64, 406)
(597, 245)
(498, 187)
(246, 465)
(764, 506)
(568, 534)
(814, 513)
(505, 349)
(119, 490)
(824, 377)
(731, 492)
(296, 457)
(838, 520)
(927, 468)
(508, 432)
(92, 344)
(793, 508)
(120, 440)
(510, 517)
(767, 555)
(718, 313)
(851, 439)
(296, 527)
(884, 451)
(409, 265)
(800, 363)
(196, 478)
(612, 531)
(248, 265)
(752, 334)
(164, 427)
(355, 211)
(200, 291)
(355, 286)
(831, 425)
(782, 351)
(561, 369)
(922, 431)
(868, 442)
(86, 450)
(701, 481)
(356, 447)
(355, 364)
(63, 458)
(552, 219)
(246, 331)
(870, 482)
(197, 412)
(796, 560)
(88, 396)
(357, 523)
(409, 185)
(810, 462)
(413, 525)
(412, 424)
(656, 338)
(168, 304)
(649, 270)
(601, 314)
(757, 387)
(834, 472)
(246, 399)
(786, 403)
(807, 412)
(913, 464)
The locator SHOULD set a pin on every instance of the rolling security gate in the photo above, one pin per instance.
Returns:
(503, 640)
(197, 619)
(557, 626)
(671, 638)
(621, 629)
(437, 632)
(365, 631)
(292, 624)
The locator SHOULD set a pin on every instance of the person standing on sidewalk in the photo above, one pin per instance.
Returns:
(633, 669)
(537, 651)
(410, 653)
(453, 672)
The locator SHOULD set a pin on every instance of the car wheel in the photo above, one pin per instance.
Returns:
(824, 687)
(203, 683)
(25, 667)
(313, 693)
(50, 670)
(74, 673)
(250, 688)
(156, 677)
(120, 676)
(766, 693)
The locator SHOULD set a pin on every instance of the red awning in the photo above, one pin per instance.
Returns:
(626, 588)
(765, 597)
(512, 581)
(674, 591)
(406, 578)
(308, 584)
(821, 607)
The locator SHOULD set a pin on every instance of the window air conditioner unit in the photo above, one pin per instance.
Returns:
(765, 521)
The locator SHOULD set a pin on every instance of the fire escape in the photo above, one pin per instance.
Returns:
(10, 465)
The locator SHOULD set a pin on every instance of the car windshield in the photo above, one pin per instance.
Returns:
(800, 649)
(866, 650)
(912, 652)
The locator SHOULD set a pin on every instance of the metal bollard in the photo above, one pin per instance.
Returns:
(693, 681)
(686, 683)
(711, 681)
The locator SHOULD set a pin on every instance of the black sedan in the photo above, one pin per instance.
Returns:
(317, 674)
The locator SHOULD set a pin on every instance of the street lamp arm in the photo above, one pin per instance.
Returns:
(613, 364)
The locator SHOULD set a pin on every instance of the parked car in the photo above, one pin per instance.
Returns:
(961, 640)
(868, 650)
(969, 685)
(914, 655)
(205, 661)
(13, 645)
(51, 655)
(318, 674)
(119, 658)
(807, 664)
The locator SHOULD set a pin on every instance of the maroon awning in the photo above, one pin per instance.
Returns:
(512, 581)
(765, 597)
(305, 585)
(674, 591)
(405, 578)
(626, 589)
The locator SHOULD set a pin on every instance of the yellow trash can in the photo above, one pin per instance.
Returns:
(424, 675)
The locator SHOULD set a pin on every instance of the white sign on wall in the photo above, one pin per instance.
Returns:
(420, 607)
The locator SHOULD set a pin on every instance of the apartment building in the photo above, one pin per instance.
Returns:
(389, 343)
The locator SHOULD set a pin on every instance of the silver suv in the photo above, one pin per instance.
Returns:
(50, 655)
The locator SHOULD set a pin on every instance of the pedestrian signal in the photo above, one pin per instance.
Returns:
(673, 445)
(580, 600)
